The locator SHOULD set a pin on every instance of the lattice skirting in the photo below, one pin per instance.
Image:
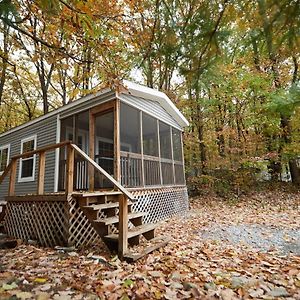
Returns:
(161, 203)
(53, 223)
(50, 223)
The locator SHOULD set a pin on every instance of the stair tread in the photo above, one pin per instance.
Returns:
(95, 194)
(112, 220)
(133, 231)
(104, 205)
(156, 243)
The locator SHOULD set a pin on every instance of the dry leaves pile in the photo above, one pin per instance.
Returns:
(188, 267)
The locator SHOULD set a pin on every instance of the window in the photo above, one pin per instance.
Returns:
(150, 139)
(27, 165)
(4, 157)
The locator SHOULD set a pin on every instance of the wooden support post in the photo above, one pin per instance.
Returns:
(91, 171)
(70, 169)
(13, 175)
(117, 146)
(41, 177)
(123, 226)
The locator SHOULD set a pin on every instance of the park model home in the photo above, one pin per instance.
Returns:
(69, 169)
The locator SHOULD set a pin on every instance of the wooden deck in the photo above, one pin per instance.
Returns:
(50, 219)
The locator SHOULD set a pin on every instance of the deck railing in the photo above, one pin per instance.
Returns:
(12, 167)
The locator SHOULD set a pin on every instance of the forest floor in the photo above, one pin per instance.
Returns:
(246, 248)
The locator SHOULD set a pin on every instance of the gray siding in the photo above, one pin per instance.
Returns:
(45, 131)
(151, 107)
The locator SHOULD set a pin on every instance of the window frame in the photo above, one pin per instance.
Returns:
(7, 146)
(31, 178)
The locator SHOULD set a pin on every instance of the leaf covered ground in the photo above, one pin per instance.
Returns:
(191, 266)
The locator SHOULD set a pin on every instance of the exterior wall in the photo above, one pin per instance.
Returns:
(45, 131)
(152, 108)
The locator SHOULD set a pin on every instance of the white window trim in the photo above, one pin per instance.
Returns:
(7, 146)
(31, 178)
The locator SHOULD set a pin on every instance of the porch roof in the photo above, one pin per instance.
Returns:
(155, 95)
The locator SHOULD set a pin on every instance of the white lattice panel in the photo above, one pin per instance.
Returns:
(81, 232)
(160, 204)
(44, 222)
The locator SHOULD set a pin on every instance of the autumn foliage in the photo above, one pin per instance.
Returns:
(230, 66)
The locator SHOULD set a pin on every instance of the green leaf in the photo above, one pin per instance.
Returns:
(128, 283)
(11, 286)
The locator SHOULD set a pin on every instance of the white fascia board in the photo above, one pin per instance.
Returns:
(57, 111)
(155, 95)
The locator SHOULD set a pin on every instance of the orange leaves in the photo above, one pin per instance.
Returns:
(189, 267)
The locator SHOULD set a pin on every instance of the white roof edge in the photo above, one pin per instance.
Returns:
(57, 111)
(155, 95)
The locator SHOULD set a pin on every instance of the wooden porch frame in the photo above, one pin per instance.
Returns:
(114, 106)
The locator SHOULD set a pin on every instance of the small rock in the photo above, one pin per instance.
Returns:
(65, 249)
(155, 274)
(278, 292)
(32, 242)
(188, 286)
(238, 282)
(42, 296)
(227, 294)
(176, 285)
(175, 276)
(256, 293)
(210, 286)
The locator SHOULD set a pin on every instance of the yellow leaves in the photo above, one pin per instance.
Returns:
(40, 280)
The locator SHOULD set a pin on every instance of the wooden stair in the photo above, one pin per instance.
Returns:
(103, 211)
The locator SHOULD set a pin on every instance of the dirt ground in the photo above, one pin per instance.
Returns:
(245, 248)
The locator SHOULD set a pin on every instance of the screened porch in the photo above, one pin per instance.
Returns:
(137, 149)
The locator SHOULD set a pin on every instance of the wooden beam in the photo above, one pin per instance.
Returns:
(5, 172)
(123, 226)
(172, 155)
(43, 149)
(37, 198)
(102, 171)
(13, 175)
(142, 149)
(117, 144)
(102, 107)
(159, 153)
(41, 177)
(91, 172)
(70, 169)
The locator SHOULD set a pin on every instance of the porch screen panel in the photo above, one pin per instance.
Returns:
(150, 150)
(166, 153)
(165, 140)
(150, 138)
(104, 147)
(177, 156)
(81, 138)
(130, 129)
(177, 147)
(130, 139)
(66, 133)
